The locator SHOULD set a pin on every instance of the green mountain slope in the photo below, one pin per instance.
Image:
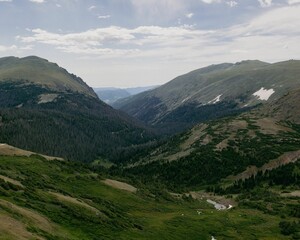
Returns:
(212, 92)
(41, 72)
(208, 154)
(50, 111)
(42, 199)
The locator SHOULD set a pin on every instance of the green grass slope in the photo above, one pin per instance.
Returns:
(41, 72)
(64, 200)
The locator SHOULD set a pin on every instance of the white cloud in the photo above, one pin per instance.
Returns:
(293, 1)
(37, 1)
(265, 3)
(104, 16)
(159, 9)
(265, 37)
(211, 1)
(7, 48)
(93, 37)
(232, 3)
(27, 47)
(189, 15)
(58, 5)
(91, 8)
(6, 0)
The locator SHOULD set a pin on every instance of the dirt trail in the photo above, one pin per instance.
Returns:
(10, 180)
(70, 199)
(120, 185)
(14, 229)
(7, 150)
(37, 219)
(291, 194)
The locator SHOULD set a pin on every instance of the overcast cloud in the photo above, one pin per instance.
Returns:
(144, 42)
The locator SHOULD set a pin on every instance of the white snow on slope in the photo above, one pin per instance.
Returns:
(264, 94)
(185, 99)
(215, 100)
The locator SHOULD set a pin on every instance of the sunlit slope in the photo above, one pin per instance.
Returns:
(42, 72)
(61, 200)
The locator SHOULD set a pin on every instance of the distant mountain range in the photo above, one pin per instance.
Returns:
(44, 108)
(212, 92)
(111, 95)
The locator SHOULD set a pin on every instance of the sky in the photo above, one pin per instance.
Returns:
(129, 43)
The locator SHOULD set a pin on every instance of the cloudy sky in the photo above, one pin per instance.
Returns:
(125, 43)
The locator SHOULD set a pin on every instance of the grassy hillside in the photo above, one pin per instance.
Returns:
(211, 92)
(42, 199)
(41, 72)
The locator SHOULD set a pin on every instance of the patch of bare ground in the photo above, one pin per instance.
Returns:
(10, 180)
(233, 128)
(196, 133)
(35, 218)
(291, 194)
(15, 230)
(179, 155)
(284, 159)
(7, 150)
(120, 185)
(46, 98)
(217, 198)
(224, 143)
(269, 126)
(204, 196)
(238, 124)
(77, 201)
(186, 147)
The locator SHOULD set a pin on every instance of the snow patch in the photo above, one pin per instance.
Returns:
(215, 100)
(217, 206)
(264, 94)
(185, 99)
(213, 238)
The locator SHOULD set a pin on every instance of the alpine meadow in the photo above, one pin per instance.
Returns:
(150, 119)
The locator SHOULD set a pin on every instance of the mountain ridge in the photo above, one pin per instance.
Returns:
(42, 72)
(231, 87)
(210, 152)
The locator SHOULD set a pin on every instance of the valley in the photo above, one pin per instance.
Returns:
(225, 166)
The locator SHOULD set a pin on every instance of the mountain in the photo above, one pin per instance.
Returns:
(221, 152)
(44, 108)
(212, 92)
(111, 95)
(40, 71)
